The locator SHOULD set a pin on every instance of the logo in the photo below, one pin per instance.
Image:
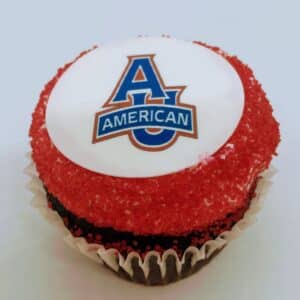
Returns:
(144, 108)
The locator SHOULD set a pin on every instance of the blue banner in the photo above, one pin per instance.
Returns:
(145, 116)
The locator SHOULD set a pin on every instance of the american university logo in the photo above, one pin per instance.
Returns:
(144, 108)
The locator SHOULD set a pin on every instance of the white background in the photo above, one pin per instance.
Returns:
(38, 36)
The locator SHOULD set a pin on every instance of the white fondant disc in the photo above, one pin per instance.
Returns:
(212, 86)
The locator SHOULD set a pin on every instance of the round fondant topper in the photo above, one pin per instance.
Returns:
(145, 107)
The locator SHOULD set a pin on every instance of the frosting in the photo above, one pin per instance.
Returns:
(173, 204)
(208, 104)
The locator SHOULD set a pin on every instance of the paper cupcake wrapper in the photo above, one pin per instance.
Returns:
(155, 268)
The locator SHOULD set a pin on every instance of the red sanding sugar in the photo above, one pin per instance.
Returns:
(171, 204)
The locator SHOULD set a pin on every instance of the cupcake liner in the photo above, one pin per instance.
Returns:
(155, 268)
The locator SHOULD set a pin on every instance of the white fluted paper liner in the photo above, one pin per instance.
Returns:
(113, 259)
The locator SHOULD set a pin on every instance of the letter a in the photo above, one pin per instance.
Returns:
(151, 82)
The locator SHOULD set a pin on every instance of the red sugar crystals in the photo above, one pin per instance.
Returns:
(171, 204)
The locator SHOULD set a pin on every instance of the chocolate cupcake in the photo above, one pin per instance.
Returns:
(151, 150)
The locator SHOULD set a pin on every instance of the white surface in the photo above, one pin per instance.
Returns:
(212, 86)
(39, 36)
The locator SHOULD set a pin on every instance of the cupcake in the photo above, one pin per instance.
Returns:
(150, 151)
